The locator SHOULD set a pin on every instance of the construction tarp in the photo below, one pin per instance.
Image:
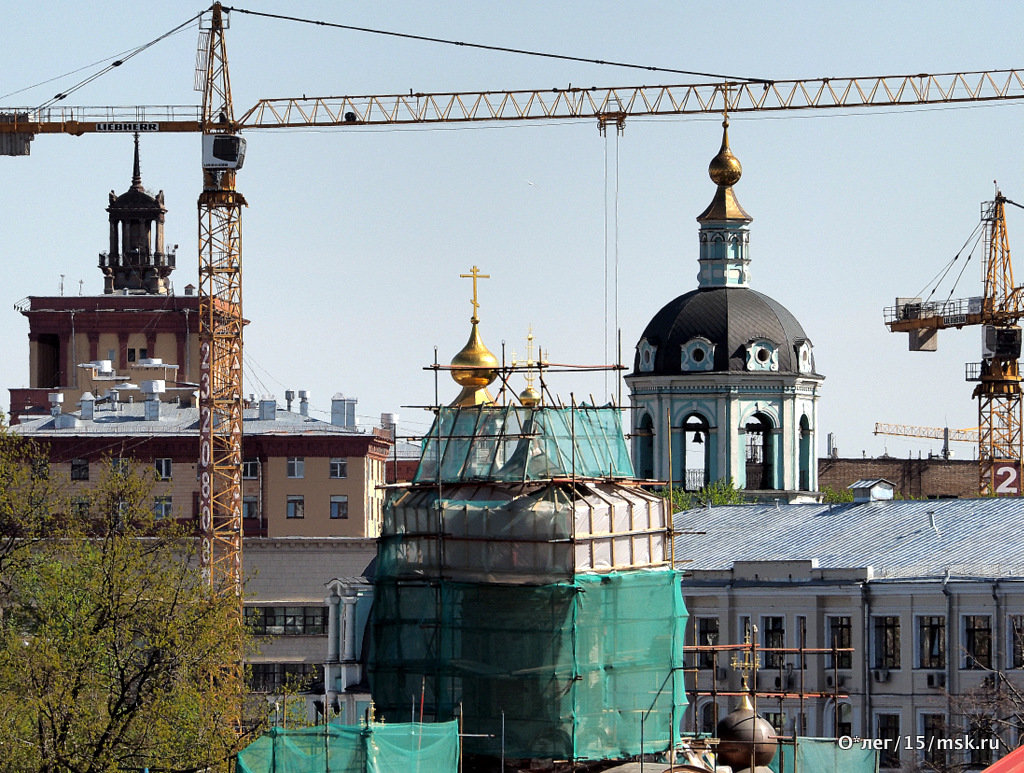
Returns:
(513, 443)
(373, 748)
(587, 669)
(521, 533)
(823, 755)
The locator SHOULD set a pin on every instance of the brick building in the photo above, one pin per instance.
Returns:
(933, 478)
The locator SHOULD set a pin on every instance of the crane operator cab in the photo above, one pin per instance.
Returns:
(223, 151)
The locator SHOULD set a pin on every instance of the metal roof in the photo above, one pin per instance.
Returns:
(729, 317)
(129, 419)
(898, 539)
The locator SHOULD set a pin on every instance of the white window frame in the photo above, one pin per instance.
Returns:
(296, 467)
(164, 467)
(295, 507)
(338, 464)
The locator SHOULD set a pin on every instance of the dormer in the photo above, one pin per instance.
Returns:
(762, 355)
(697, 355)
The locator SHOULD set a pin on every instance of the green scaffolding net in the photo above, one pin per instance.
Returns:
(373, 748)
(823, 755)
(584, 669)
(513, 443)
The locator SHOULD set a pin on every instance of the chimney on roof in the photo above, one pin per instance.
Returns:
(304, 402)
(56, 399)
(389, 421)
(343, 411)
(88, 406)
(268, 408)
(289, 397)
(152, 390)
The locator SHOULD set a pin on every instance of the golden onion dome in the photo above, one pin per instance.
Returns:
(725, 168)
(474, 366)
(529, 397)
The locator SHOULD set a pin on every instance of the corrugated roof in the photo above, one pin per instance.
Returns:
(970, 537)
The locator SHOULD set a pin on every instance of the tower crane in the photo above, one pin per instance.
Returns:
(998, 390)
(220, 203)
(945, 434)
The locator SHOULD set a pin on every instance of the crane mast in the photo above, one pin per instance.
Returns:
(998, 390)
(220, 320)
(1000, 448)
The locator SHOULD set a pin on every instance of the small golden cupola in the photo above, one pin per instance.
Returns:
(474, 367)
(530, 397)
(725, 171)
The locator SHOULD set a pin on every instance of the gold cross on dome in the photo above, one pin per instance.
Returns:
(474, 274)
(745, 665)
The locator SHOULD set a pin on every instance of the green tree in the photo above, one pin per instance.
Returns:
(114, 653)
(720, 492)
(831, 496)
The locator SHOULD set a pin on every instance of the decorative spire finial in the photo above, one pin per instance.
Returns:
(136, 171)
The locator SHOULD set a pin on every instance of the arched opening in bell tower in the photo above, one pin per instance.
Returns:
(696, 446)
(645, 447)
(805, 453)
(760, 453)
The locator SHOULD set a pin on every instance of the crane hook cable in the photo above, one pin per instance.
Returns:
(502, 49)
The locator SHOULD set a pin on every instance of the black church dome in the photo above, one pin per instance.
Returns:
(728, 319)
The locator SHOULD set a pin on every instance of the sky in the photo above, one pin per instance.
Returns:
(354, 240)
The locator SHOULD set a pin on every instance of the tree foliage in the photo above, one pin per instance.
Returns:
(720, 492)
(113, 650)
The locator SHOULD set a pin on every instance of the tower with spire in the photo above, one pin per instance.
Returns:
(136, 261)
(106, 344)
(723, 385)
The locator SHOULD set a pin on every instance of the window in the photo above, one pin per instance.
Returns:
(774, 638)
(250, 507)
(79, 469)
(888, 730)
(162, 507)
(844, 720)
(287, 621)
(296, 466)
(708, 718)
(984, 739)
(339, 468)
(339, 506)
(279, 677)
(296, 507)
(1016, 648)
(777, 719)
(801, 639)
(840, 636)
(251, 469)
(119, 466)
(131, 355)
(80, 506)
(977, 641)
(931, 632)
(40, 469)
(933, 727)
(887, 643)
(163, 469)
(707, 636)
